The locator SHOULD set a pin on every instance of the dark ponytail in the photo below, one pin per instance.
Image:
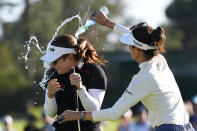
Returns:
(158, 37)
(155, 37)
(87, 52)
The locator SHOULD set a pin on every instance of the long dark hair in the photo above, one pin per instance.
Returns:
(84, 49)
(153, 37)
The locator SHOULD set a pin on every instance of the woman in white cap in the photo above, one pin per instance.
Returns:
(7, 121)
(154, 85)
(89, 79)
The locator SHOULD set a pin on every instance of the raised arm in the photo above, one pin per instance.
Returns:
(101, 19)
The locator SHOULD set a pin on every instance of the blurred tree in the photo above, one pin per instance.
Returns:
(174, 37)
(182, 14)
(11, 78)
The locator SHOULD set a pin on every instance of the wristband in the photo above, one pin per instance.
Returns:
(83, 115)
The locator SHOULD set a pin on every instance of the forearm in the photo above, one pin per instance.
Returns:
(101, 19)
(124, 103)
(91, 100)
(116, 27)
(50, 106)
(110, 24)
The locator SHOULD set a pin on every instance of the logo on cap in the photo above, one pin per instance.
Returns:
(52, 49)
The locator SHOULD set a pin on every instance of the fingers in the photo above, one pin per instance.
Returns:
(53, 87)
(94, 14)
(53, 83)
(75, 79)
(60, 119)
(67, 115)
(75, 76)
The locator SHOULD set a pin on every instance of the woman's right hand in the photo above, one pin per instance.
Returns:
(53, 87)
(101, 19)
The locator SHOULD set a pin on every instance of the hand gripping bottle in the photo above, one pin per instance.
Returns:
(90, 22)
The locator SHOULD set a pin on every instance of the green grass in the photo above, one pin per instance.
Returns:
(111, 125)
(19, 124)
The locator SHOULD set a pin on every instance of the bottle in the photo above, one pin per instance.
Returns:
(90, 22)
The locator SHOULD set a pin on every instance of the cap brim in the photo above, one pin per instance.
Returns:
(49, 57)
(126, 39)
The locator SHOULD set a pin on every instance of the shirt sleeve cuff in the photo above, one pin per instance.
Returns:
(121, 29)
(50, 99)
(82, 91)
(94, 115)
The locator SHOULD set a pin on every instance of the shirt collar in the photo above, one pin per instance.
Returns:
(145, 63)
(80, 64)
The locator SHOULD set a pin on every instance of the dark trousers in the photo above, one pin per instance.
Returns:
(172, 127)
(76, 129)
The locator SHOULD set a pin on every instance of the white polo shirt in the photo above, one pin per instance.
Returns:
(154, 85)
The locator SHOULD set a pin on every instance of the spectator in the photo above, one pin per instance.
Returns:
(47, 123)
(126, 121)
(7, 121)
(141, 124)
(31, 125)
(190, 108)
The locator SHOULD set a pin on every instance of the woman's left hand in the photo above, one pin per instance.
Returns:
(68, 115)
(75, 79)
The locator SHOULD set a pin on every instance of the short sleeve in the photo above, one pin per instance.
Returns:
(97, 79)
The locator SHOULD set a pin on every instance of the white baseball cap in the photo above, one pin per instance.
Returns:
(130, 40)
(54, 52)
(7, 119)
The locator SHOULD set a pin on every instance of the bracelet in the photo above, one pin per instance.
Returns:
(83, 115)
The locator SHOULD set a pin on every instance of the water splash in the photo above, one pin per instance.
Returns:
(47, 65)
(83, 28)
(34, 41)
(61, 25)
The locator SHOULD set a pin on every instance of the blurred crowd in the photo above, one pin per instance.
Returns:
(129, 122)
(31, 121)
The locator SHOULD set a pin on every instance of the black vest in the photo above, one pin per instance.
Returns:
(93, 77)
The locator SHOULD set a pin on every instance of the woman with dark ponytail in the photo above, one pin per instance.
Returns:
(83, 89)
(154, 85)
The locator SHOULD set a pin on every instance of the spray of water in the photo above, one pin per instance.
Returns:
(47, 65)
(33, 40)
(81, 29)
(61, 25)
